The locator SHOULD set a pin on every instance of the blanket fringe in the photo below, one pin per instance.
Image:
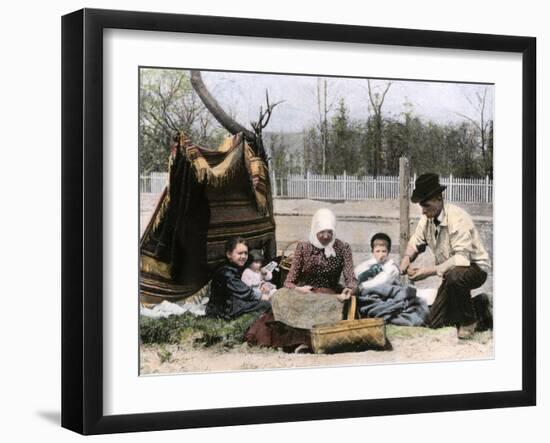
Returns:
(153, 266)
(220, 174)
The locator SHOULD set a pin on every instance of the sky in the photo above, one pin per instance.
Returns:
(242, 94)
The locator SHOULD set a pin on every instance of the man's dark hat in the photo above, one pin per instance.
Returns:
(426, 186)
(256, 255)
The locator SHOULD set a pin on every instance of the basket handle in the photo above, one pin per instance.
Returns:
(295, 242)
(351, 308)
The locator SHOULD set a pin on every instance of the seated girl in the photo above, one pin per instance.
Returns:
(255, 276)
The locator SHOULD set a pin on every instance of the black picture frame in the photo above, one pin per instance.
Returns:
(82, 218)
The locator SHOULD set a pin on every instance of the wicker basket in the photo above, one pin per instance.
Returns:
(349, 335)
(286, 261)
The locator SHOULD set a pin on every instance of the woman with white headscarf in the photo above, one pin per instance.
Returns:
(318, 263)
(316, 268)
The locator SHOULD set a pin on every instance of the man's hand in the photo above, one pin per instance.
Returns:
(416, 274)
(405, 263)
(410, 255)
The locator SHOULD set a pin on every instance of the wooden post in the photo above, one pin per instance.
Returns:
(273, 184)
(345, 186)
(289, 187)
(307, 184)
(404, 184)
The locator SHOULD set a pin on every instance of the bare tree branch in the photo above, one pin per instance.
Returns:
(219, 114)
(375, 100)
(471, 120)
(481, 124)
(371, 98)
(164, 108)
(266, 116)
(323, 108)
(384, 94)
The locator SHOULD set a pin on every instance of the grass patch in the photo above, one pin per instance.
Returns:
(199, 331)
(164, 354)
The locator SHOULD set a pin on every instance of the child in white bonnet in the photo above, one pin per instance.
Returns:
(379, 269)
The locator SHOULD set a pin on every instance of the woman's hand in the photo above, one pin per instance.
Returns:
(265, 297)
(345, 295)
(304, 289)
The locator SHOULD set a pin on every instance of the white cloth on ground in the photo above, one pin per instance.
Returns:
(389, 274)
(166, 309)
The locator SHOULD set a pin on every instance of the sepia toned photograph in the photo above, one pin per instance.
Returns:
(298, 221)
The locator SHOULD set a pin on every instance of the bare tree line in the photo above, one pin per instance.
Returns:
(178, 100)
(372, 145)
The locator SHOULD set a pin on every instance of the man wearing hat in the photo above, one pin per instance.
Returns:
(460, 258)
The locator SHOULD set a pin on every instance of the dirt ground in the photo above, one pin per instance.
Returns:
(409, 345)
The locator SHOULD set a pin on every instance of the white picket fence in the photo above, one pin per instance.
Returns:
(349, 187)
(153, 182)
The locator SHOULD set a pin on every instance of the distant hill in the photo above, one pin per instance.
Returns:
(293, 140)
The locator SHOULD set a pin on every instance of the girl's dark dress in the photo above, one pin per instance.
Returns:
(230, 297)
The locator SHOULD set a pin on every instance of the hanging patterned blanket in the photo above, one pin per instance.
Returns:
(212, 195)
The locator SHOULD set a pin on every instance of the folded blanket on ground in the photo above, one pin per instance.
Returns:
(396, 304)
(303, 311)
